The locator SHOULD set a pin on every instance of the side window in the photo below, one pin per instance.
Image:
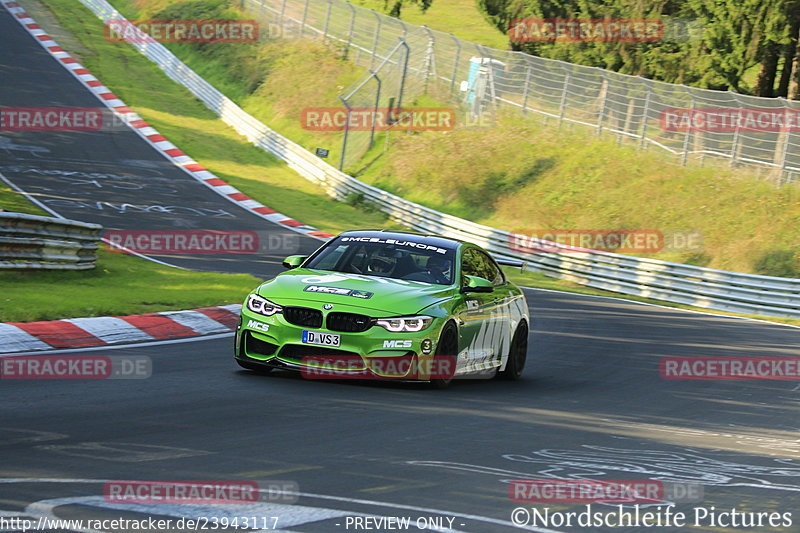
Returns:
(471, 264)
(492, 272)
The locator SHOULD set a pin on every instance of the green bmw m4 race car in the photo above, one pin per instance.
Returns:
(387, 305)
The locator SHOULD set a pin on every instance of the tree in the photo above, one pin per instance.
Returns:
(397, 6)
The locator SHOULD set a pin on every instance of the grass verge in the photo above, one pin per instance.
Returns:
(119, 285)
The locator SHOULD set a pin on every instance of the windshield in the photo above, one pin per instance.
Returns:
(388, 258)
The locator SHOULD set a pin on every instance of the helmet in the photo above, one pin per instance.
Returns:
(439, 268)
(381, 263)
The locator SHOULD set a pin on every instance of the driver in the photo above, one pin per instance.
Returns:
(439, 269)
(382, 263)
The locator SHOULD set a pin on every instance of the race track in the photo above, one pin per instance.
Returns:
(591, 404)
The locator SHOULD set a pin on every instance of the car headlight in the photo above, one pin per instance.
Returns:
(410, 324)
(262, 306)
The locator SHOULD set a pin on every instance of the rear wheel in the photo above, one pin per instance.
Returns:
(446, 351)
(517, 353)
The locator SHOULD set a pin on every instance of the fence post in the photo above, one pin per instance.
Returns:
(603, 98)
(346, 132)
(375, 40)
(643, 129)
(686, 139)
(305, 16)
(430, 56)
(404, 73)
(352, 28)
(283, 11)
(737, 134)
(328, 17)
(562, 107)
(375, 111)
(787, 133)
(526, 89)
(455, 62)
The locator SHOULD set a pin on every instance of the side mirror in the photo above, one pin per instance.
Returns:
(477, 284)
(294, 261)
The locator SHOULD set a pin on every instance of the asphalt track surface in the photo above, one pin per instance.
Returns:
(591, 404)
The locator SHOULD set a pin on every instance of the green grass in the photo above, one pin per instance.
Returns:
(120, 285)
(14, 202)
(462, 18)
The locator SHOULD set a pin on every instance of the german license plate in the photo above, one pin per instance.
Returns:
(320, 339)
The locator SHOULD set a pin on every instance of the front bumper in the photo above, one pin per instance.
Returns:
(372, 354)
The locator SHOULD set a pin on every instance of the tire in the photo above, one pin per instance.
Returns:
(446, 347)
(261, 369)
(517, 353)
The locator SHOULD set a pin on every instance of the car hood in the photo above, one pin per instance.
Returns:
(385, 295)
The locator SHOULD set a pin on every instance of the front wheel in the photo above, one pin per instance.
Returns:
(517, 353)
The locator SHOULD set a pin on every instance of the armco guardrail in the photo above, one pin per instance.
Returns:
(36, 242)
(703, 287)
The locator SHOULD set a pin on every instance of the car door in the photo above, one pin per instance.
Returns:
(480, 321)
